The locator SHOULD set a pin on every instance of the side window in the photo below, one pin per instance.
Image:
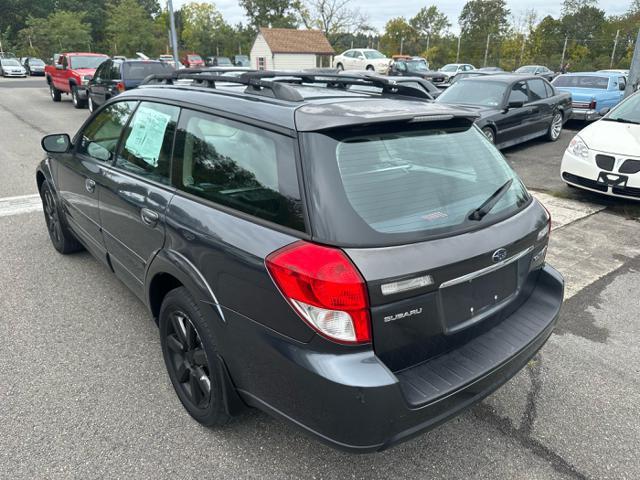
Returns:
(549, 88)
(148, 141)
(99, 139)
(239, 166)
(519, 93)
(537, 90)
(622, 83)
(99, 75)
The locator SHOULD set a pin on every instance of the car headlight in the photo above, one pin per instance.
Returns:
(578, 148)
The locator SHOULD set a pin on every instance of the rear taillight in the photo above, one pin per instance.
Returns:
(546, 231)
(120, 87)
(592, 105)
(325, 289)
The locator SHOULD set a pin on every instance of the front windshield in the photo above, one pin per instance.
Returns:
(35, 61)
(629, 110)
(526, 70)
(93, 61)
(416, 182)
(582, 81)
(10, 63)
(224, 61)
(195, 58)
(449, 68)
(373, 54)
(417, 65)
(474, 92)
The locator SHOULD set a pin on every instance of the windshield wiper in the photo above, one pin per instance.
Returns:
(489, 203)
(621, 120)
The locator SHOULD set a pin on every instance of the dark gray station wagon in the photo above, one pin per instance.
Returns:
(364, 265)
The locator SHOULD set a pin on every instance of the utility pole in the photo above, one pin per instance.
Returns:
(401, 44)
(174, 37)
(524, 40)
(458, 52)
(486, 50)
(615, 45)
(634, 70)
(428, 38)
(564, 50)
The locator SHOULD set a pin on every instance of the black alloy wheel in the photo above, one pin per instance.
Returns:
(61, 237)
(191, 358)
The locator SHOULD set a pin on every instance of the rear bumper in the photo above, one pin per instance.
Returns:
(584, 114)
(354, 402)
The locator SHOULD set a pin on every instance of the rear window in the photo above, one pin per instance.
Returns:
(582, 81)
(195, 58)
(403, 185)
(140, 70)
(89, 61)
(474, 92)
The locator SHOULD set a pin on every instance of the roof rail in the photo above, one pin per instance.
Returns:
(273, 83)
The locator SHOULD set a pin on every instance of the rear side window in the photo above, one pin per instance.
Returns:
(148, 140)
(537, 91)
(239, 166)
(99, 139)
(549, 88)
(519, 93)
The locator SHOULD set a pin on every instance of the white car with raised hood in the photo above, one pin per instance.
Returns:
(604, 157)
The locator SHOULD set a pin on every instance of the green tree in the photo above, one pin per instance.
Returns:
(478, 20)
(430, 22)
(204, 30)
(399, 37)
(572, 6)
(271, 13)
(333, 17)
(130, 29)
(60, 31)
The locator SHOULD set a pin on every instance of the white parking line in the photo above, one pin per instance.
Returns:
(22, 204)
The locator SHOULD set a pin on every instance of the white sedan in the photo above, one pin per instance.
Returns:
(362, 59)
(604, 157)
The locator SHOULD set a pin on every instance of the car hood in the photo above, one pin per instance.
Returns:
(612, 137)
(583, 94)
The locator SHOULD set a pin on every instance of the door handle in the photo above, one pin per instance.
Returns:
(149, 217)
(90, 185)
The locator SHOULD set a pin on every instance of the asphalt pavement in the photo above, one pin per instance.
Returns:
(84, 393)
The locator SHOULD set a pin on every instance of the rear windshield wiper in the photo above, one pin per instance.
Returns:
(490, 202)
(621, 120)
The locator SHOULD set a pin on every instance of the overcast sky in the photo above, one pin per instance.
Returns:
(387, 9)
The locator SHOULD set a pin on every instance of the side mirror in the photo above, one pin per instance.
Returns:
(603, 111)
(515, 104)
(56, 143)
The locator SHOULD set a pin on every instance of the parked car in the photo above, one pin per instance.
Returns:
(540, 70)
(362, 59)
(604, 156)
(622, 72)
(415, 68)
(115, 76)
(512, 108)
(360, 315)
(591, 92)
(10, 67)
(4, 54)
(491, 69)
(241, 60)
(192, 60)
(34, 66)
(453, 69)
(463, 75)
(218, 62)
(430, 91)
(71, 74)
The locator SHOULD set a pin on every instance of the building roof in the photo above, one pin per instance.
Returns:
(288, 40)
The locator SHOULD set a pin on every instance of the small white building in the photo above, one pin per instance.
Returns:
(289, 49)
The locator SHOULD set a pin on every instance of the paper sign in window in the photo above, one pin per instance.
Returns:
(147, 134)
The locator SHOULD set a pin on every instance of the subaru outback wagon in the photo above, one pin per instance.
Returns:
(364, 265)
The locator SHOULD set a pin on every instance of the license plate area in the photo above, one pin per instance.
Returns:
(612, 179)
(465, 303)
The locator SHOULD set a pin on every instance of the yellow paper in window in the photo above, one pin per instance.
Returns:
(147, 134)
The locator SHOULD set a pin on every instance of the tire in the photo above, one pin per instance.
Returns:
(90, 103)
(340, 67)
(77, 102)
(61, 236)
(56, 96)
(490, 134)
(191, 357)
(370, 68)
(555, 127)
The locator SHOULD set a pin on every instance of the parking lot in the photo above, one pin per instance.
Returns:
(84, 392)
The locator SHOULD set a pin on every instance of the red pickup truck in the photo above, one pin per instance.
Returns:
(71, 73)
